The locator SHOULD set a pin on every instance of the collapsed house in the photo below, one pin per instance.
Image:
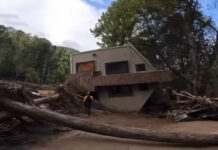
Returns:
(121, 77)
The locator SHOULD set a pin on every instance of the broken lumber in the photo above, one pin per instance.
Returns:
(191, 107)
(43, 100)
(104, 129)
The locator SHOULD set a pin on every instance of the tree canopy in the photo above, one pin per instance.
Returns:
(173, 34)
(30, 58)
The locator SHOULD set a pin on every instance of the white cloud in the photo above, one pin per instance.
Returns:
(63, 22)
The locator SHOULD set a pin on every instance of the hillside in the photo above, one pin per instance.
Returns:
(30, 58)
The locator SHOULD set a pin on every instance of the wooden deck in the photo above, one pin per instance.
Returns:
(89, 81)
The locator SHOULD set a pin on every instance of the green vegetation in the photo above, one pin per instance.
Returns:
(172, 34)
(30, 58)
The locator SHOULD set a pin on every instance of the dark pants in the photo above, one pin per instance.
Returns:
(88, 105)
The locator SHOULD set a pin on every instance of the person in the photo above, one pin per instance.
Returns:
(87, 101)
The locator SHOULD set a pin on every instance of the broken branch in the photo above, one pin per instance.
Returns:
(47, 99)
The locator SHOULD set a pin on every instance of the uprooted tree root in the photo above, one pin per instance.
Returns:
(191, 107)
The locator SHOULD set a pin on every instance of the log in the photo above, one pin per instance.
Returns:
(104, 129)
(16, 86)
(47, 99)
(4, 115)
(13, 86)
(39, 101)
(33, 86)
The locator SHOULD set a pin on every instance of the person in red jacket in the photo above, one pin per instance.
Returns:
(87, 101)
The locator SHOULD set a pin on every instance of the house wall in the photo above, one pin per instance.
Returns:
(110, 55)
(128, 104)
(125, 53)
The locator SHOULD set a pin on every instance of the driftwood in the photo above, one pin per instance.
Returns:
(44, 100)
(12, 86)
(39, 101)
(68, 102)
(15, 87)
(191, 107)
(103, 129)
(22, 92)
(34, 86)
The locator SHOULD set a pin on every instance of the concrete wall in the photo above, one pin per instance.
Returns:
(124, 53)
(129, 103)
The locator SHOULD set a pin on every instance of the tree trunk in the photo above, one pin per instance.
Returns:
(103, 129)
(16, 86)
(194, 56)
(45, 100)
(4, 115)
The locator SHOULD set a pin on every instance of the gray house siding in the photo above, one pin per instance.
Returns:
(129, 103)
(124, 53)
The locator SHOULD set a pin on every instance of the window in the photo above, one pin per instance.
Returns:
(143, 87)
(85, 66)
(140, 67)
(117, 67)
(118, 91)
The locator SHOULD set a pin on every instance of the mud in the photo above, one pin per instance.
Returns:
(27, 134)
(79, 140)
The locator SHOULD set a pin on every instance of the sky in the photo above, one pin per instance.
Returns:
(210, 9)
(65, 22)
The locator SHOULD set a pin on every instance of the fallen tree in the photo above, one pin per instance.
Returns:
(59, 98)
(39, 101)
(191, 107)
(4, 115)
(16, 87)
(104, 129)
(48, 99)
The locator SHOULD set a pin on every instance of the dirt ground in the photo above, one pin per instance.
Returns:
(79, 140)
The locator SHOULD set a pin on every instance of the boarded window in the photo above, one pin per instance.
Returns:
(140, 67)
(117, 67)
(119, 91)
(85, 67)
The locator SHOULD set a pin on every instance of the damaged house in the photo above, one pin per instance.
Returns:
(121, 77)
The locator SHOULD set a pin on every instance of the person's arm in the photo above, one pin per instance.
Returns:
(84, 99)
(93, 99)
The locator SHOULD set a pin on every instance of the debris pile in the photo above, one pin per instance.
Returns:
(31, 111)
(190, 107)
(57, 98)
(16, 128)
(69, 102)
